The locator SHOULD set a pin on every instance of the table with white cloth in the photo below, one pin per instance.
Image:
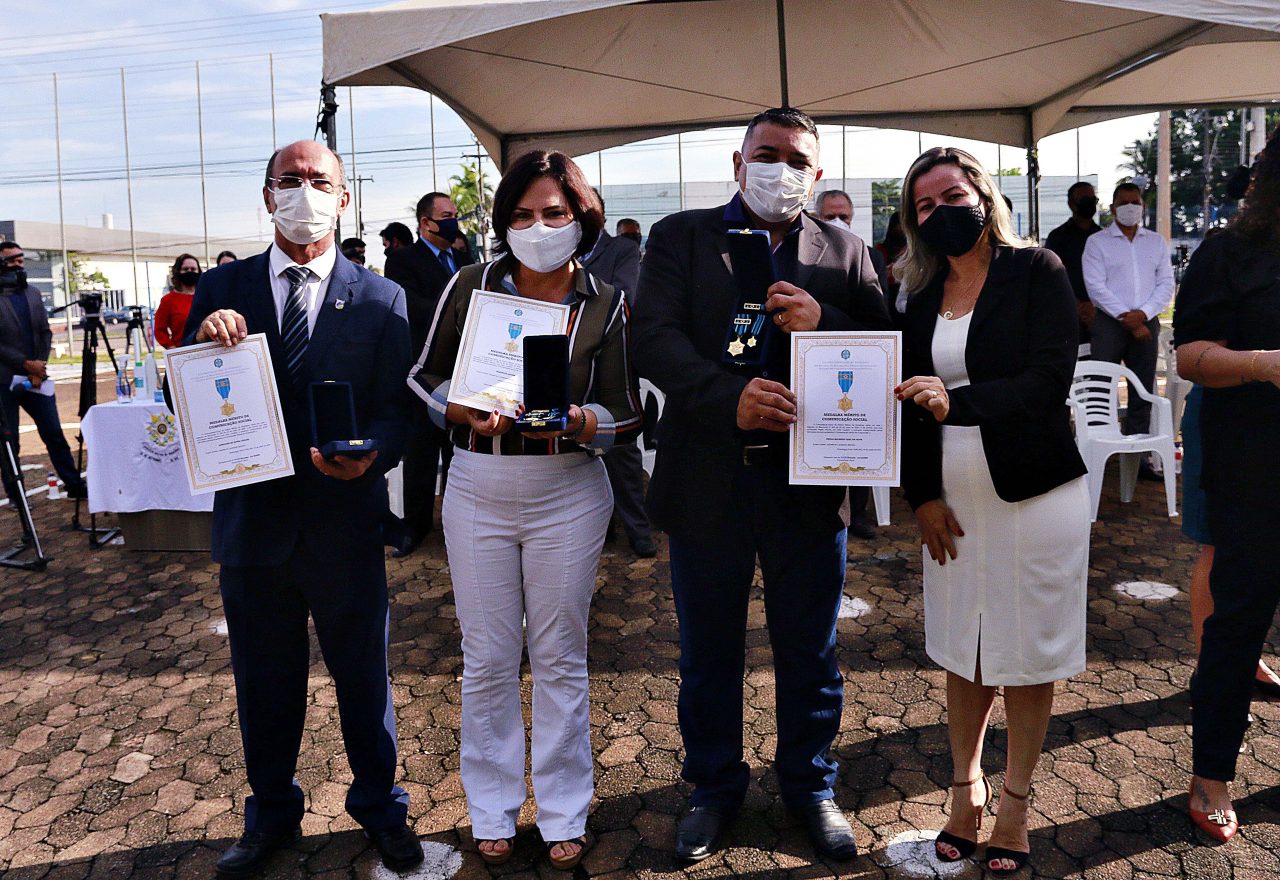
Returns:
(136, 469)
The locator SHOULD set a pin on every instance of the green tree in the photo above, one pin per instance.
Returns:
(473, 206)
(82, 280)
(886, 196)
(1204, 150)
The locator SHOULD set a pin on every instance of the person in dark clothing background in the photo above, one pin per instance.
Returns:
(1067, 241)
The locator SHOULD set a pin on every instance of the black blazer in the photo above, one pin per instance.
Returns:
(417, 269)
(12, 358)
(360, 337)
(683, 307)
(1021, 356)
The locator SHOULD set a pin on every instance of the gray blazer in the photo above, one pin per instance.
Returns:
(11, 356)
(616, 262)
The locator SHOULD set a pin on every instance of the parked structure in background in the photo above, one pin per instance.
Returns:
(105, 250)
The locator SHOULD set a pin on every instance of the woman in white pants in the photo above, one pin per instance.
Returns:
(525, 514)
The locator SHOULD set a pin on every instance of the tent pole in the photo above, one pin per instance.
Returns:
(1033, 184)
(782, 52)
(327, 122)
(1164, 179)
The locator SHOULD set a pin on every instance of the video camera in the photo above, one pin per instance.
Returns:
(91, 304)
(12, 278)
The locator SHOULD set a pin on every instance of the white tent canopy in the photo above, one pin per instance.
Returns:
(583, 75)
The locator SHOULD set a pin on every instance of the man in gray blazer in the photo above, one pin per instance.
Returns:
(25, 340)
(616, 261)
(720, 488)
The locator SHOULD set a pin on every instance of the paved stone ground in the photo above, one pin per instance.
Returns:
(120, 757)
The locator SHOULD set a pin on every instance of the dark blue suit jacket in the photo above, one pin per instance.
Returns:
(366, 343)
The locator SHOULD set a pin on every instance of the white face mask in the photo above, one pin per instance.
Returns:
(544, 248)
(776, 192)
(1129, 215)
(305, 215)
(837, 221)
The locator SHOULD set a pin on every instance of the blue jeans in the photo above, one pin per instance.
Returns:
(44, 412)
(803, 579)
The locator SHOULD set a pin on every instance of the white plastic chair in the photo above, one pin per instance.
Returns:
(1095, 401)
(1176, 388)
(650, 398)
(880, 498)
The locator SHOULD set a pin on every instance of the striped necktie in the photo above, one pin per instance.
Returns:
(293, 324)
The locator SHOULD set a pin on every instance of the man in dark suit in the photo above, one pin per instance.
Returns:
(424, 270)
(311, 544)
(616, 261)
(25, 341)
(720, 488)
(1068, 241)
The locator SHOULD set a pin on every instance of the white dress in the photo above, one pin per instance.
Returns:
(1014, 598)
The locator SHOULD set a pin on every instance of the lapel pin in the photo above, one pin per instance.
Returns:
(339, 304)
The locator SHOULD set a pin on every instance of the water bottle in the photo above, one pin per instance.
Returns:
(153, 379)
(124, 388)
(54, 494)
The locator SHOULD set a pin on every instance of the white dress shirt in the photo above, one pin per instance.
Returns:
(1123, 275)
(321, 269)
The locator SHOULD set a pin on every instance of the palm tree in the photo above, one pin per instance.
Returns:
(465, 190)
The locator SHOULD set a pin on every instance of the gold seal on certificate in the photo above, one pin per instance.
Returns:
(228, 444)
(850, 438)
(489, 372)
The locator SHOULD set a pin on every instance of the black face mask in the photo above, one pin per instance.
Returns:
(1086, 207)
(953, 230)
(634, 236)
(188, 279)
(448, 228)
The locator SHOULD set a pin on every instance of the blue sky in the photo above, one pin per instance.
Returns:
(86, 43)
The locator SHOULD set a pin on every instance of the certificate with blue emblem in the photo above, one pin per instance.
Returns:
(846, 431)
(228, 414)
(489, 372)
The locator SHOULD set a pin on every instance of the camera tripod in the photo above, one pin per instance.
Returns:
(93, 330)
(11, 475)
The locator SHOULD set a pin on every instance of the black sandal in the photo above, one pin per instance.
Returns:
(567, 863)
(965, 848)
(1000, 854)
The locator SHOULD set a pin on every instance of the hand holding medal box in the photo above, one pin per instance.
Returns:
(751, 261)
(488, 374)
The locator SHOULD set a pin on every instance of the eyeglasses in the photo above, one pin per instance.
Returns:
(293, 181)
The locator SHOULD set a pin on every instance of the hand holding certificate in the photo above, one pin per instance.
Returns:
(228, 414)
(489, 372)
(846, 431)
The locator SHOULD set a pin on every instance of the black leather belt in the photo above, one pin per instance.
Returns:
(764, 455)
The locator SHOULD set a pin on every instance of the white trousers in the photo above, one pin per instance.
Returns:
(524, 535)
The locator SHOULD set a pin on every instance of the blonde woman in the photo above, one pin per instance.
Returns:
(995, 480)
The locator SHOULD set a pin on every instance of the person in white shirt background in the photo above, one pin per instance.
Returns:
(1130, 281)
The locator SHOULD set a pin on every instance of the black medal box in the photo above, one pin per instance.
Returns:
(333, 421)
(749, 331)
(546, 384)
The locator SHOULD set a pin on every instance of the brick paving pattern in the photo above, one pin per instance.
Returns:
(120, 756)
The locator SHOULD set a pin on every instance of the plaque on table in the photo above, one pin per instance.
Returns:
(546, 384)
